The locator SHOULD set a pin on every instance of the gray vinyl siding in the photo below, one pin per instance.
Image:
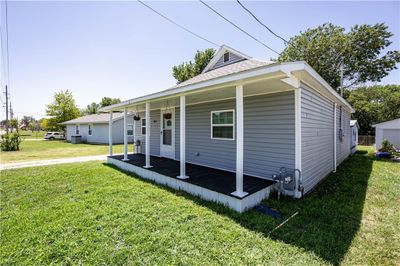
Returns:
(154, 132)
(317, 137)
(269, 135)
(233, 58)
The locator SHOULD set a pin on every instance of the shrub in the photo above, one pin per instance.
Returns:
(10, 142)
(386, 146)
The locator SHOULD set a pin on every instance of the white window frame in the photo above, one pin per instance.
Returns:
(90, 129)
(233, 125)
(229, 57)
(79, 129)
(127, 130)
(143, 126)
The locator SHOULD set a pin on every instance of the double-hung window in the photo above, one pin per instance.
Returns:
(90, 129)
(143, 126)
(129, 130)
(223, 124)
(77, 129)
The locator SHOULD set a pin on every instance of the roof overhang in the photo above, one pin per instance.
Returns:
(291, 73)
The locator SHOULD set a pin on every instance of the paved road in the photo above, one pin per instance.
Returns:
(52, 161)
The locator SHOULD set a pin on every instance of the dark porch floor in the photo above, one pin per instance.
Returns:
(220, 181)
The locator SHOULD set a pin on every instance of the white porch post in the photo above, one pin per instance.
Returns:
(148, 125)
(239, 143)
(125, 134)
(298, 147)
(110, 137)
(183, 138)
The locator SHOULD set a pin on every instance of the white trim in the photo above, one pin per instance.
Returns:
(182, 126)
(223, 125)
(110, 136)
(148, 133)
(172, 133)
(239, 143)
(221, 51)
(298, 155)
(334, 138)
(90, 129)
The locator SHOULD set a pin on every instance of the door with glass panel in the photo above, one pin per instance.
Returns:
(167, 139)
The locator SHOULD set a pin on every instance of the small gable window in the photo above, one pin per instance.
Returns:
(226, 57)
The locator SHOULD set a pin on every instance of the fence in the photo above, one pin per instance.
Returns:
(366, 140)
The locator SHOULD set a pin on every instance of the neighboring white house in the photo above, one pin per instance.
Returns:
(94, 128)
(389, 130)
(354, 135)
(229, 133)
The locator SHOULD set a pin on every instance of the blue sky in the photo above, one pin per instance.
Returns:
(122, 49)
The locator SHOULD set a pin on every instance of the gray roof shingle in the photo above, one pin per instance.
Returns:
(93, 119)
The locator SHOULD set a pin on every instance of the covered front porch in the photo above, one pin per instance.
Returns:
(205, 182)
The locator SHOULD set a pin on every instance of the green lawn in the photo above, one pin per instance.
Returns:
(28, 134)
(91, 213)
(44, 149)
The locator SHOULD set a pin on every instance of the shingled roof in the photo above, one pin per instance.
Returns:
(94, 119)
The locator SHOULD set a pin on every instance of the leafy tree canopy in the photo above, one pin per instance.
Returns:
(92, 108)
(374, 104)
(188, 70)
(106, 101)
(360, 50)
(63, 108)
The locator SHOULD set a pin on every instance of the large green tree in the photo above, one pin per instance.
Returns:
(106, 101)
(360, 50)
(63, 108)
(188, 70)
(92, 108)
(374, 104)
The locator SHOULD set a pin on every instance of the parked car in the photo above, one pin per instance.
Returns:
(54, 135)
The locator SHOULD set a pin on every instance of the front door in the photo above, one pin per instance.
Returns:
(167, 138)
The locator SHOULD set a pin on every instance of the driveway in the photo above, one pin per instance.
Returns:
(52, 161)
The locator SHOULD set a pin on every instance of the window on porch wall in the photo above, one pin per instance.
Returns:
(222, 124)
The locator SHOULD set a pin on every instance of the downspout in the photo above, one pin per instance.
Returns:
(334, 137)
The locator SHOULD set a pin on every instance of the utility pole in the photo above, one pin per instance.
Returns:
(6, 109)
(341, 79)
(11, 112)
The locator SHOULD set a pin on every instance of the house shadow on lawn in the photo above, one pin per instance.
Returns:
(327, 219)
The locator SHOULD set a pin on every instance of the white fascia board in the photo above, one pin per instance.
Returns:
(270, 69)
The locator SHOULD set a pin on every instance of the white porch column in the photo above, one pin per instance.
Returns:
(239, 143)
(148, 125)
(125, 134)
(298, 146)
(183, 137)
(110, 137)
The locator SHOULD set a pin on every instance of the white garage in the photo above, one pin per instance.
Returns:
(389, 130)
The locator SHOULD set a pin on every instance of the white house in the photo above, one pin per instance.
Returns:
(239, 130)
(354, 135)
(389, 130)
(95, 128)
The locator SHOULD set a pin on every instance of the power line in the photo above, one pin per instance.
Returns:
(265, 26)
(178, 25)
(236, 26)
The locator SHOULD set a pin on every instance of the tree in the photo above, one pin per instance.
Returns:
(188, 70)
(374, 104)
(63, 108)
(26, 120)
(328, 46)
(14, 124)
(107, 101)
(92, 108)
(44, 124)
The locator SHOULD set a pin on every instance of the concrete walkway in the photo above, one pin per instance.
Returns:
(53, 161)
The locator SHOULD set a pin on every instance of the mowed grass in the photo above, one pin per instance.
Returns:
(28, 134)
(31, 150)
(91, 213)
